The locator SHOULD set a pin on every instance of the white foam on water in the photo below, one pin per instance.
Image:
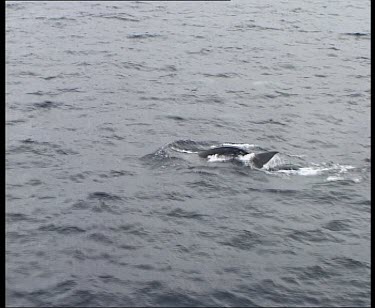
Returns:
(344, 168)
(217, 158)
(316, 170)
(307, 171)
(334, 178)
(246, 159)
(240, 145)
(341, 178)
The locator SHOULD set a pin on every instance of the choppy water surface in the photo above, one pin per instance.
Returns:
(108, 203)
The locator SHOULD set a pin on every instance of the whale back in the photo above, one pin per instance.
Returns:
(229, 151)
(260, 159)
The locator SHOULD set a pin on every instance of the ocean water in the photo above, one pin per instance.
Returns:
(107, 201)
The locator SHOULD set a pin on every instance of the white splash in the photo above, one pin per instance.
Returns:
(334, 178)
(308, 171)
(317, 170)
(247, 160)
(344, 168)
(243, 146)
(341, 178)
(217, 158)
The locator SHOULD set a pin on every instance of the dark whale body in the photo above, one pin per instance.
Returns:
(227, 151)
(258, 160)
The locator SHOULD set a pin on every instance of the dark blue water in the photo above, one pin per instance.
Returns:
(108, 203)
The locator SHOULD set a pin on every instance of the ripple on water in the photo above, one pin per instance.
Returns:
(316, 235)
(64, 230)
(99, 203)
(244, 240)
(337, 225)
(47, 105)
(99, 195)
(181, 213)
(100, 238)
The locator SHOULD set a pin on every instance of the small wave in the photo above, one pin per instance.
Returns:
(183, 151)
(61, 18)
(143, 35)
(101, 238)
(88, 298)
(180, 213)
(177, 118)
(357, 34)
(221, 75)
(103, 196)
(168, 68)
(349, 263)
(117, 173)
(134, 228)
(62, 229)
(316, 235)
(17, 217)
(203, 51)
(69, 90)
(39, 148)
(34, 182)
(122, 18)
(136, 66)
(244, 240)
(246, 27)
(270, 121)
(14, 122)
(337, 225)
(41, 93)
(50, 77)
(77, 178)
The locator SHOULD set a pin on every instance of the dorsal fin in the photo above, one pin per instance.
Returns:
(261, 159)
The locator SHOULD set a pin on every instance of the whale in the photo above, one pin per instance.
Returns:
(259, 159)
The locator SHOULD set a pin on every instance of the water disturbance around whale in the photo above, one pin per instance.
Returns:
(258, 159)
